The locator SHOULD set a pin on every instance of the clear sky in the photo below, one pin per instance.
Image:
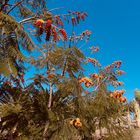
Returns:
(116, 29)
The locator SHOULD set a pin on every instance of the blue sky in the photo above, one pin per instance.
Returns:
(116, 29)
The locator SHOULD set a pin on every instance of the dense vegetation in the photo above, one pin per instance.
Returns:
(60, 102)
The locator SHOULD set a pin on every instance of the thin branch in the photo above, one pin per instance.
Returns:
(18, 3)
(64, 69)
(34, 17)
(99, 84)
(28, 19)
(55, 9)
(43, 53)
(65, 64)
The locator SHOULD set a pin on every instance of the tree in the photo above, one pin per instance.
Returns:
(57, 103)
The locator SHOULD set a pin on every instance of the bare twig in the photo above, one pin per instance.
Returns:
(34, 17)
(64, 69)
(28, 19)
(99, 84)
(55, 9)
(18, 3)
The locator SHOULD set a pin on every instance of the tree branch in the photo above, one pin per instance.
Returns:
(99, 84)
(31, 18)
(64, 69)
(18, 3)
(65, 64)
(55, 9)
(28, 19)
(50, 97)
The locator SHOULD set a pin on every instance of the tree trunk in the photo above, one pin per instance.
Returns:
(50, 96)
(45, 131)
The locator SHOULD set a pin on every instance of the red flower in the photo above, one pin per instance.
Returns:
(95, 75)
(115, 83)
(94, 49)
(87, 32)
(64, 34)
(94, 61)
(83, 16)
(79, 78)
(87, 82)
(117, 64)
(123, 99)
(48, 33)
(48, 23)
(7, 83)
(39, 23)
(120, 72)
(59, 21)
(54, 34)
(78, 16)
(40, 31)
(57, 18)
(73, 21)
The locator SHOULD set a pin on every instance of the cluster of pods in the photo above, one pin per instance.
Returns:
(76, 123)
(117, 94)
(75, 17)
(87, 81)
(115, 64)
(117, 83)
(120, 72)
(50, 74)
(93, 61)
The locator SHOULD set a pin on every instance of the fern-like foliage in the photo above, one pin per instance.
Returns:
(12, 36)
